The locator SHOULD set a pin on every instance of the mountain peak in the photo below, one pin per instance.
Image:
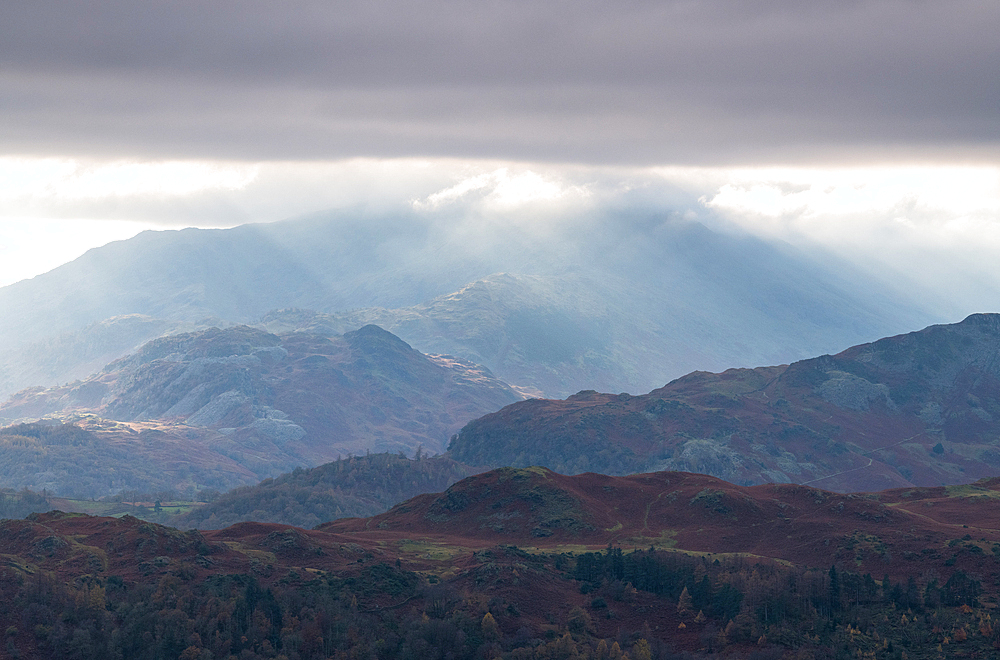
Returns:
(988, 321)
(371, 335)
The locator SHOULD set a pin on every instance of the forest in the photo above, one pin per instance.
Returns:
(722, 606)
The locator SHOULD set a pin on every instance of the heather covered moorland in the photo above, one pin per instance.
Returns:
(519, 563)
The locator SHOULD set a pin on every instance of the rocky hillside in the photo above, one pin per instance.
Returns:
(74, 355)
(90, 457)
(915, 409)
(263, 402)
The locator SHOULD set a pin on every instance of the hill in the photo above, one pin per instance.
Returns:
(305, 497)
(91, 457)
(916, 409)
(882, 532)
(760, 572)
(352, 487)
(219, 408)
(620, 303)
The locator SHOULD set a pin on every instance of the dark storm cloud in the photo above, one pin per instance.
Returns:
(638, 82)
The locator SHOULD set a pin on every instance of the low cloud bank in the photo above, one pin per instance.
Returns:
(934, 228)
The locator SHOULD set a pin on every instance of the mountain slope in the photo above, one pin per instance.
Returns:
(558, 334)
(267, 403)
(74, 355)
(620, 303)
(92, 457)
(921, 408)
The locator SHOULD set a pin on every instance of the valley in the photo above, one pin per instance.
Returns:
(499, 330)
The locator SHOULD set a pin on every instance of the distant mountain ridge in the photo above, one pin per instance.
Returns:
(556, 335)
(74, 355)
(617, 303)
(916, 409)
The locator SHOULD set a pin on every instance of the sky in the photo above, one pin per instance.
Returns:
(870, 129)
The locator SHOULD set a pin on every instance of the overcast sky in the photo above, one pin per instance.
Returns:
(844, 123)
(705, 82)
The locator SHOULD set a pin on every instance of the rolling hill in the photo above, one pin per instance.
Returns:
(526, 563)
(535, 507)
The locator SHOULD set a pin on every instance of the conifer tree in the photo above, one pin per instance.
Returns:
(491, 631)
(684, 603)
(834, 589)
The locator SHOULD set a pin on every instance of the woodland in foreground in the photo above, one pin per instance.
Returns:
(723, 607)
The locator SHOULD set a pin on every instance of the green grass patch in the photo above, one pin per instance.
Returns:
(971, 490)
(562, 548)
(428, 550)
(665, 541)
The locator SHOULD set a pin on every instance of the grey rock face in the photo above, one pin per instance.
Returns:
(854, 393)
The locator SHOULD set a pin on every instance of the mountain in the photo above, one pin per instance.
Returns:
(617, 302)
(242, 401)
(916, 409)
(204, 278)
(557, 334)
(526, 563)
(235, 275)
